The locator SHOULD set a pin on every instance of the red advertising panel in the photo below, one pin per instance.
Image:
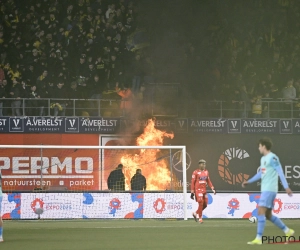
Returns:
(69, 169)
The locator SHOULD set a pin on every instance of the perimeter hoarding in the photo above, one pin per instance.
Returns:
(139, 205)
(35, 124)
(230, 160)
(70, 169)
(100, 125)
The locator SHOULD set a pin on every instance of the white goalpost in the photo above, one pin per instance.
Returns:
(85, 169)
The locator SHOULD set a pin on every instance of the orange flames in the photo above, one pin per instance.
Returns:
(155, 167)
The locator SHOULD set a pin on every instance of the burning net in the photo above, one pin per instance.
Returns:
(155, 164)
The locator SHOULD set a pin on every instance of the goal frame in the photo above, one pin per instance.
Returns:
(182, 147)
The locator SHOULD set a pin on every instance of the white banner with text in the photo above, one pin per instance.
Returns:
(138, 205)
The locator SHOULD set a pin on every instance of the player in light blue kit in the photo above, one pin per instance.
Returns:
(1, 222)
(270, 169)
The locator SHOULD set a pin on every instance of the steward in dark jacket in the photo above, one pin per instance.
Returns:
(116, 179)
(138, 181)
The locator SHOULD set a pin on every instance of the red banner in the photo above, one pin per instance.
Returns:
(69, 169)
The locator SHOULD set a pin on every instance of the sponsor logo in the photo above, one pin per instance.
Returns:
(224, 165)
(40, 204)
(286, 124)
(207, 126)
(259, 126)
(234, 126)
(43, 122)
(233, 205)
(291, 206)
(286, 127)
(57, 206)
(37, 203)
(16, 125)
(51, 166)
(175, 206)
(181, 125)
(72, 124)
(114, 205)
(159, 205)
(177, 161)
(277, 206)
(98, 125)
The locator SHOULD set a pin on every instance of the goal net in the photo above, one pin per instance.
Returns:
(100, 170)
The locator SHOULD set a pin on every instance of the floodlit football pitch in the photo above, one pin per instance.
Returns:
(139, 234)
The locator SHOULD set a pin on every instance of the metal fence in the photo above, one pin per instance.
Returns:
(158, 104)
(269, 108)
(60, 107)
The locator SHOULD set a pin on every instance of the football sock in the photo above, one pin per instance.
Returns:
(1, 231)
(200, 209)
(278, 222)
(261, 222)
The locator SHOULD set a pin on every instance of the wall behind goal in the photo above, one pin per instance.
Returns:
(231, 158)
(138, 205)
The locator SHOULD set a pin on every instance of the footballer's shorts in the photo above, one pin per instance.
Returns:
(201, 197)
(267, 199)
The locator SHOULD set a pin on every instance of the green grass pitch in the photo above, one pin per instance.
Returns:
(138, 234)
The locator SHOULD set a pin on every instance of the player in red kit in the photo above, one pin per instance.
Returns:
(200, 179)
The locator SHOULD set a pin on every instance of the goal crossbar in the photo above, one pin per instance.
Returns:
(91, 147)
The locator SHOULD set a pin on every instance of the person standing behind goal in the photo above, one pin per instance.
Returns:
(116, 179)
(1, 222)
(138, 181)
(200, 178)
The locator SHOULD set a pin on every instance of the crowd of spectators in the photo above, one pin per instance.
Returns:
(248, 56)
(243, 53)
(71, 49)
